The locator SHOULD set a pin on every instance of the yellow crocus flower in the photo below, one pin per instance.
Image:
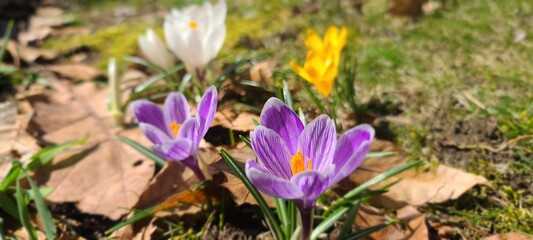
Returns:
(323, 57)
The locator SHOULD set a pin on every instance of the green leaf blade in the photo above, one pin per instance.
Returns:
(269, 215)
(44, 212)
(143, 150)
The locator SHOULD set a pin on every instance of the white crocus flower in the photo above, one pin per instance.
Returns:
(155, 50)
(195, 34)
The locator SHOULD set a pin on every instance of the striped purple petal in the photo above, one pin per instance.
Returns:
(270, 184)
(176, 108)
(153, 133)
(148, 112)
(207, 108)
(312, 184)
(351, 150)
(317, 142)
(280, 118)
(271, 151)
(174, 150)
(191, 130)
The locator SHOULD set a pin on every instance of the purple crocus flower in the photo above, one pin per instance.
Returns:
(300, 163)
(175, 134)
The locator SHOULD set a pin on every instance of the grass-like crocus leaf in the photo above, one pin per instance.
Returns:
(380, 154)
(41, 158)
(8, 205)
(234, 66)
(158, 77)
(301, 115)
(145, 63)
(256, 123)
(350, 218)
(144, 150)
(328, 222)
(315, 99)
(138, 216)
(269, 215)
(368, 231)
(44, 212)
(287, 97)
(2, 228)
(6, 39)
(45, 155)
(348, 197)
(10, 177)
(246, 140)
(24, 216)
(183, 83)
(281, 210)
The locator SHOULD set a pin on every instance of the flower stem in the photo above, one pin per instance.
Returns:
(200, 74)
(198, 172)
(306, 215)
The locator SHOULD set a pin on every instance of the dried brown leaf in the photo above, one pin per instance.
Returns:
(370, 217)
(411, 8)
(173, 178)
(48, 17)
(262, 73)
(75, 71)
(412, 223)
(241, 153)
(14, 140)
(416, 228)
(70, 31)
(415, 188)
(34, 34)
(105, 176)
(188, 197)
(228, 118)
(28, 54)
(508, 236)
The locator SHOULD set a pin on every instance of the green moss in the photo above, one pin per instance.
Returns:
(252, 21)
(115, 41)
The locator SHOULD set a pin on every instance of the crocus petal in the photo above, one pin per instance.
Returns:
(216, 40)
(173, 38)
(313, 41)
(207, 109)
(312, 184)
(270, 184)
(219, 13)
(148, 112)
(154, 49)
(317, 142)
(302, 72)
(176, 108)
(195, 60)
(280, 118)
(191, 130)
(174, 150)
(196, 33)
(351, 150)
(271, 151)
(154, 134)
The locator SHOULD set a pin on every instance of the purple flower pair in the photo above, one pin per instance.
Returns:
(300, 163)
(175, 134)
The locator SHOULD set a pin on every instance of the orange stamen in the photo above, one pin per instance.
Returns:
(193, 25)
(298, 163)
(175, 127)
